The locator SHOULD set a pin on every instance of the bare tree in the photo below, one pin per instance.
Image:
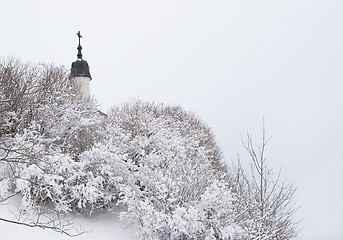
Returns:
(44, 220)
(264, 202)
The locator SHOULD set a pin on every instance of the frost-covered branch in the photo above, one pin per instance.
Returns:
(264, 203)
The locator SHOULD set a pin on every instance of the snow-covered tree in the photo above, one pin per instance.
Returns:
(42, 124)
(177, 188)
(264, 203)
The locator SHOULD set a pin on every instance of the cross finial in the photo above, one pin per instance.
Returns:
(79, 35)
(79, 54)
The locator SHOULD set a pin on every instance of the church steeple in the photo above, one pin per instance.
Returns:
(80, 72)
(80, 67)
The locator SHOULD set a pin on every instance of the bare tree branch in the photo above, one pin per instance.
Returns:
(263, 197)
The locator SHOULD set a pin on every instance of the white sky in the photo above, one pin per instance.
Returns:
(230, 62)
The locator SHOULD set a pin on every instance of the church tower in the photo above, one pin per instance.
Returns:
(80, 73)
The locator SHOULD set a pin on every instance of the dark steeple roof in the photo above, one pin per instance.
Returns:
(80, 67)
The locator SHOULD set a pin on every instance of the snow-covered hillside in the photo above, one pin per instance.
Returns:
(158, 166)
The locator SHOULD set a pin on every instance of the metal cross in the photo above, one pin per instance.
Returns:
(79, 54)
(79, 35)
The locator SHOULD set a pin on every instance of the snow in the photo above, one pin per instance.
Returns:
(104, 227)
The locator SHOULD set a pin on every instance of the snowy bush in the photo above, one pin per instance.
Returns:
(210, 217)
(87, 185)
(178, 189)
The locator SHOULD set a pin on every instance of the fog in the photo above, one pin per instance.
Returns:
(233, 63)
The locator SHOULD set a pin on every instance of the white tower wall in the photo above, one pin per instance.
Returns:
(84, 86)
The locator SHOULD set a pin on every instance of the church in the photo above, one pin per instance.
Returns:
(80, 73)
